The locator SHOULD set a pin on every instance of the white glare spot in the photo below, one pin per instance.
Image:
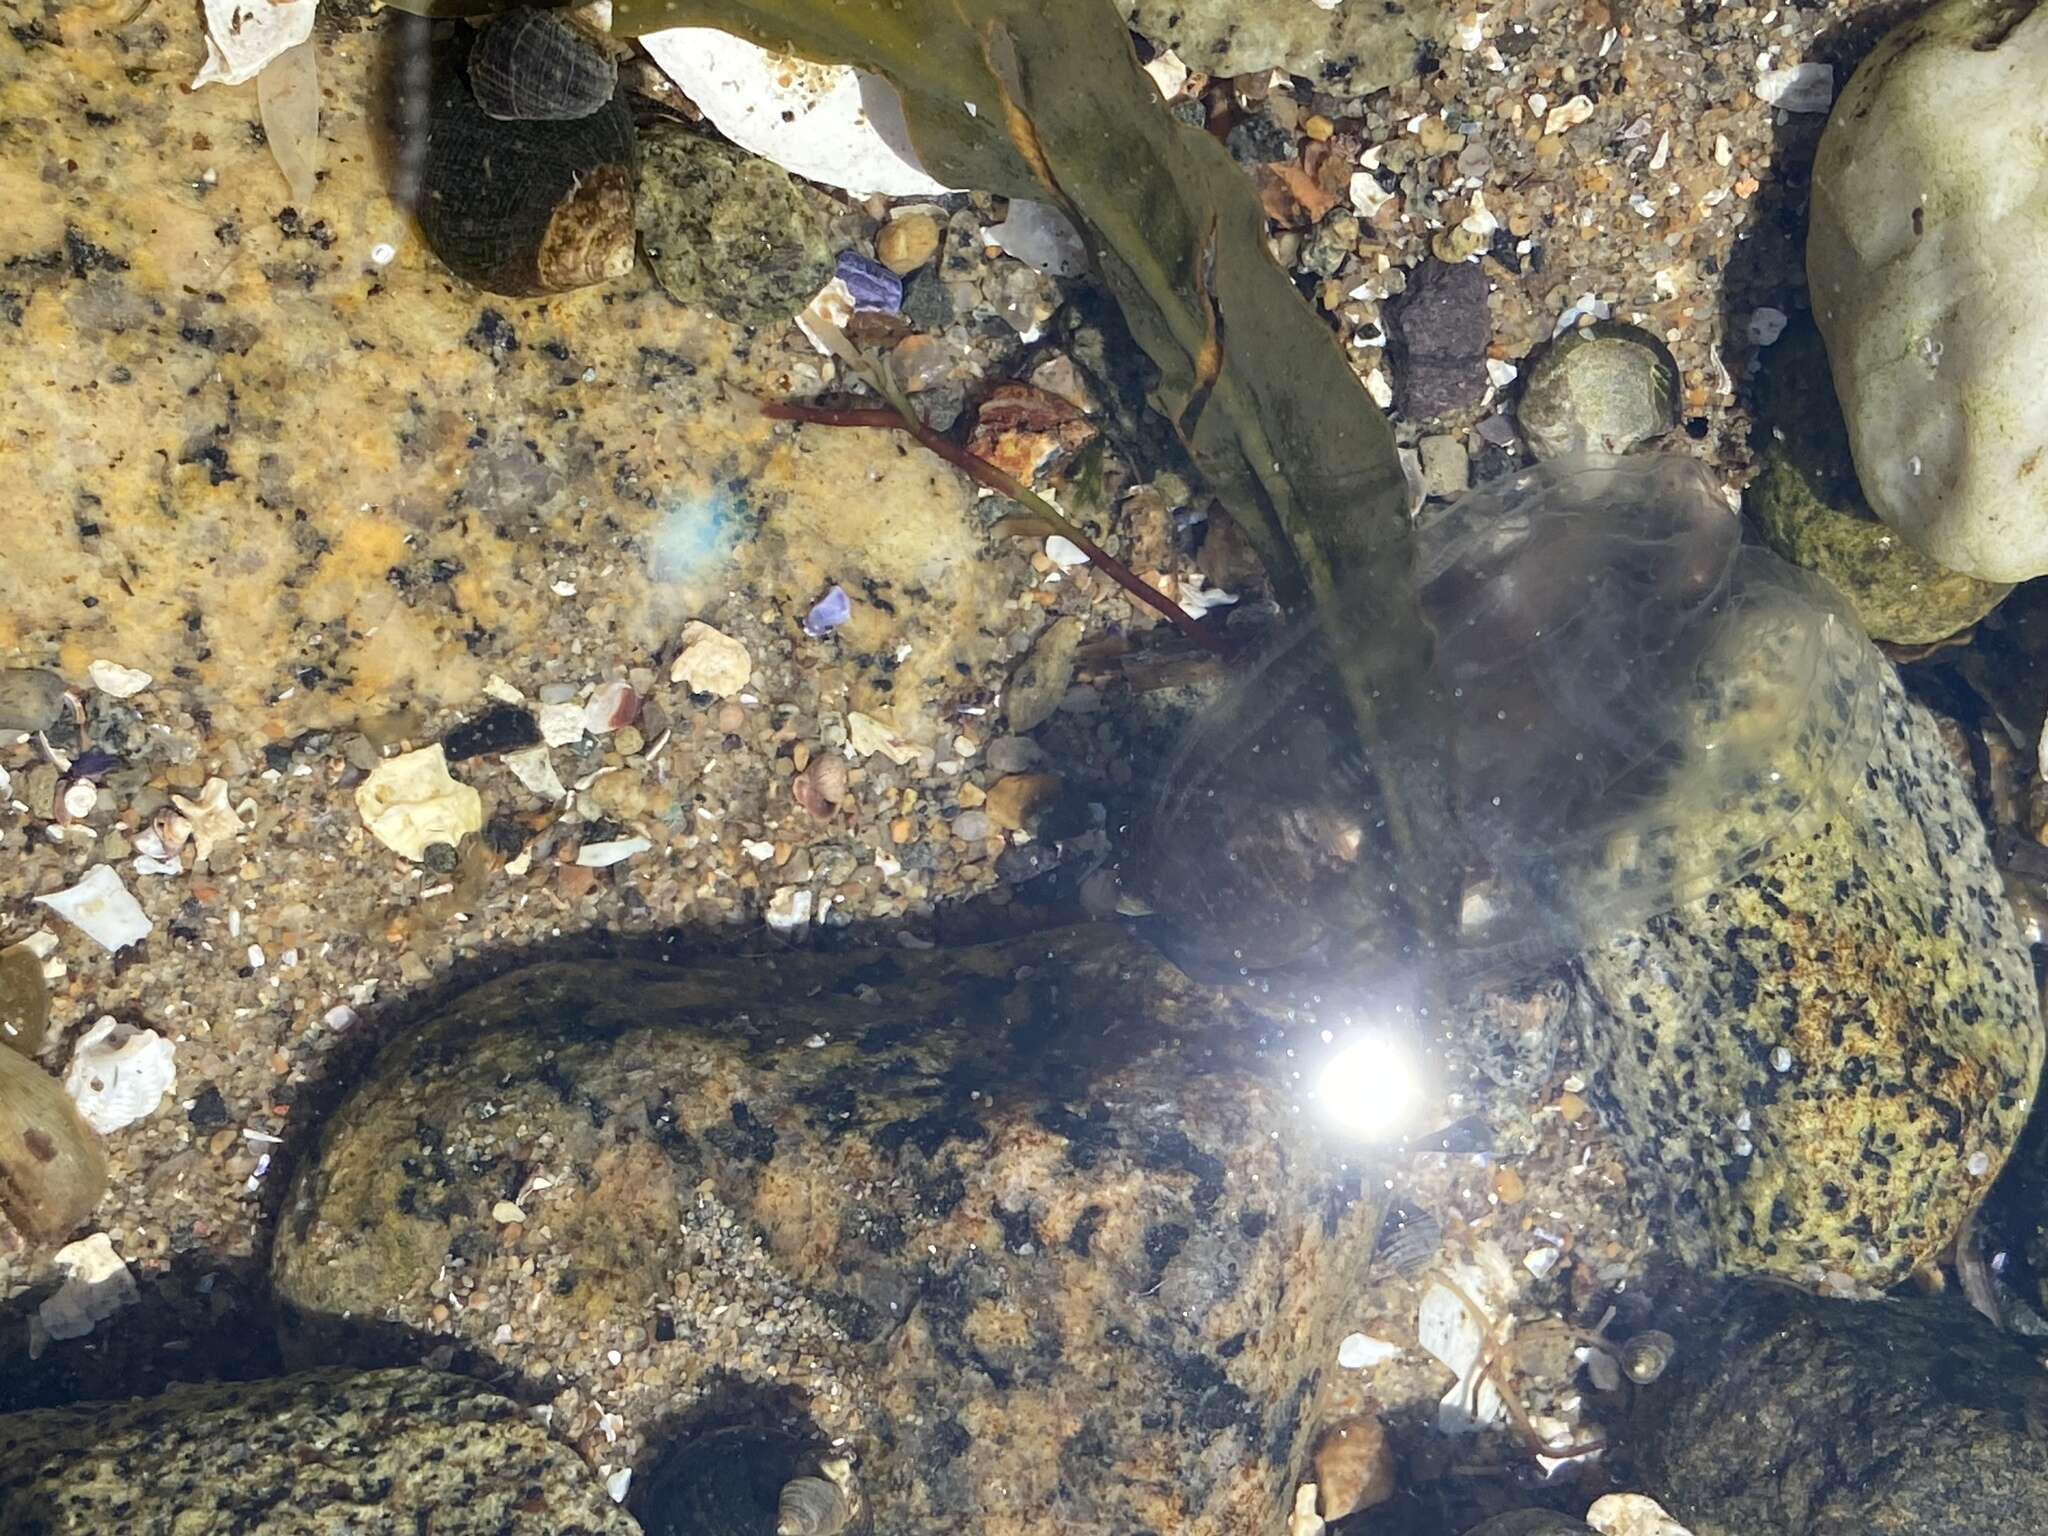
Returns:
(1369, 1087)
(384, 253)
(1979, 1164)
(1781, 1060)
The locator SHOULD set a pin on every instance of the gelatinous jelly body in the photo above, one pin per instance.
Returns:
(1638, 709)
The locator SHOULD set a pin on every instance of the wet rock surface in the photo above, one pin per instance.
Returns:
(1033, 1227)
(1801, 1416)
(318, 1454)
(1807, 503)
(1927, 219)
(1826, 1063)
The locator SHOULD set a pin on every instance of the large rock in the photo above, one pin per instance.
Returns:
(325, 1453)
(1347, 49)
(1798, 1416)
(1033, 1227)
(1929, 238)
(1811, 510)
(1820, 1069)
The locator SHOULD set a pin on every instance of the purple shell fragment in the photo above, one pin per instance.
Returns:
(872, 285)
(828, 613)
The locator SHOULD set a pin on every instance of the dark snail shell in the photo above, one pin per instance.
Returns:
(525, 208)
(751, 1480)
(1646, 1356)
(541, 66)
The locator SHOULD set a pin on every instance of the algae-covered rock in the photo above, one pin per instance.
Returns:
(1350, 50)
(1810, 509)
(326, 1453)
(1800, 1416)
(1034, 1228)
(1929, 239)
(727, 231)
(1820, 1068)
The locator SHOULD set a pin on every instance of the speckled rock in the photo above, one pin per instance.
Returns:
(1807, 503)
(1035, 1227)
(728, 231)
(1800, 1416)
(325, 1453)
(1347, 49)
(1821, 1068)
(1929, 227)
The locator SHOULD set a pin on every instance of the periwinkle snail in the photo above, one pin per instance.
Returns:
(1638, 707)
(541, 66)
(539, 200)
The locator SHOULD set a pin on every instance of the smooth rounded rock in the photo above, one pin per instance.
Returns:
(325, 1453)
(1005, 1220)
(1605, 388)
(1810, 509)
(1532, 1522)
(1927, 247)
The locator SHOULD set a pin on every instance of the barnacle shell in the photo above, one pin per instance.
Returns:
(1645, 1356)
(52, 1169)
(811, 1506)
(539, 66)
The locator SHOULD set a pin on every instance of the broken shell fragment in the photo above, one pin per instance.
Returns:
(541, 66)
(52, 1168)
(526, 208)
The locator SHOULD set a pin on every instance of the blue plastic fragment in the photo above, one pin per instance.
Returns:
(872, 285)
(828, 613)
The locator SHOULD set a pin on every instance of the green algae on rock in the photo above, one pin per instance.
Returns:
(325, 1453)
(1015, 1220)
(727, 231)
(1807, 503)
(1821, 1068)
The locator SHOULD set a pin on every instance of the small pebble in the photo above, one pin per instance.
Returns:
(505, 1212)
(972, 826)
(30, 699)
(908, 242)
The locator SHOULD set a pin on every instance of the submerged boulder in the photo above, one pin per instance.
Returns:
(1034, 1228)
(1929, 237)
(1801, 1416)
(1820, 1068)
(324, 1453)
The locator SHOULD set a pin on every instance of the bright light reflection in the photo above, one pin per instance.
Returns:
(1370, 1088)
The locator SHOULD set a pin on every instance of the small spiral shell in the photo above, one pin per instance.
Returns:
(1646, 1356)
(811, 1506)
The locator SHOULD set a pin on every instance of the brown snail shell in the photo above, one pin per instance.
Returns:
(524, 208)
(541, 66)
(1646, 1356)
(52, 1168)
